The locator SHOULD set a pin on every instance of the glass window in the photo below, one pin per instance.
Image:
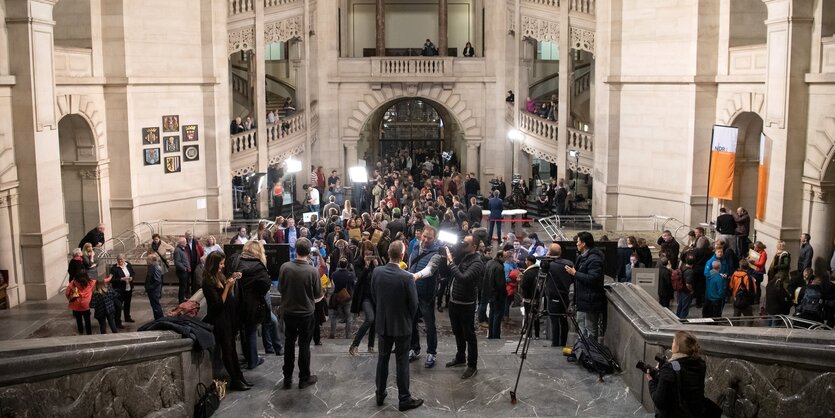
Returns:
(274, 51)
(547, 51)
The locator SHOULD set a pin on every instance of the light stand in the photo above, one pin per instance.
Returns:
(293, 167)
(576, 155)
(359, 176)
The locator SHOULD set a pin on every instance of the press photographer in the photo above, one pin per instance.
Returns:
(677, 386)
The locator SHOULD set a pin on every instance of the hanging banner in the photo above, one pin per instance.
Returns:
(722, 162)
(762, 176)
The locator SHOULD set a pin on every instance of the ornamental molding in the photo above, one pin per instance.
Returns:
(540, 154)
(244, 170)
(286, 154)
(582, 170)
(242, 39)
(581, 39)
(94, 174)
(540, 29)
(283, 30)
(511, 19)
(9, 199)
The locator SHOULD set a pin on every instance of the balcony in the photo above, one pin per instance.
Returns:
(279, 141)
(243, 7)
(542, 140)
(417, 69)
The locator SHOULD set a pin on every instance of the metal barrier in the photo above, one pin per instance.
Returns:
(787, 321)
(555, 225)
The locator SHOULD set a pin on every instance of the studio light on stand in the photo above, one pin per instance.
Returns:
(573, 153)
(292, 166)
(359, 177)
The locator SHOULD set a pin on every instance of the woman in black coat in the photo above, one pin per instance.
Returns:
(361, 298)
(254, 285)
(222, 305)
(665, 282)
(122, 276)
(678, 386)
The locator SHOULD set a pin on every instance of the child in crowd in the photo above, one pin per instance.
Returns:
(104, 301)
(78, 294)
(714, 292)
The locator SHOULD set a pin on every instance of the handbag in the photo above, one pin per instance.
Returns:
(342, 296)
(75, 294)
(208, 400)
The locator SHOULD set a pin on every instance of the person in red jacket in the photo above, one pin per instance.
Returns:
(79, 292)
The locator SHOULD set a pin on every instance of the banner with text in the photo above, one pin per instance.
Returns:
(722, 162)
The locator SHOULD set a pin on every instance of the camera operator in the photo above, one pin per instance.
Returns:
(466, 272)
(678, 387)
(528, 288)
(557, 289)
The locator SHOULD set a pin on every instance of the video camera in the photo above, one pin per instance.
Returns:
(653, 371)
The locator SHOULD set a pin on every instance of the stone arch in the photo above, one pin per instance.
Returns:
(741, 102)
(820, 149)
(373, 101)
(85, 107)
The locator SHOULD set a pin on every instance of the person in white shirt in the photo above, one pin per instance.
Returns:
(312, 199)
(241, 238)
(271, 118)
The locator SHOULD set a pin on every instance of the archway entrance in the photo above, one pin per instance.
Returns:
(746, 174)
(79, 176)
(408, 132)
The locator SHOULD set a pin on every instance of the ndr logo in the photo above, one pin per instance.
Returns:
(719, 148)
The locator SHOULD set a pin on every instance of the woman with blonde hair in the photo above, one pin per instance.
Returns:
(88, 257)
(678, 386)
(255, 283)
(781, 262)
(211, 246)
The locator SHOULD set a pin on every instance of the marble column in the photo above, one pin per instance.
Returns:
(443, 27)
(472, 158)
(10, 257)
(819, 221)
(260, 102)
(381, 28)
(351, 157)
(564, 96)
(43, 231)
(789, 32)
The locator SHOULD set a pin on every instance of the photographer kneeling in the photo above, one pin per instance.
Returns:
(678, 385)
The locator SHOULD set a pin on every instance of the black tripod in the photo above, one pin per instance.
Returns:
(531, 317)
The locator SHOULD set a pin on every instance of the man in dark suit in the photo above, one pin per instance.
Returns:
(95, 237)
(395, 296)
(474, 212)
(495, 205)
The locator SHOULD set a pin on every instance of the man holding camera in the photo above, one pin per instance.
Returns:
(424, 265)
(466, 271)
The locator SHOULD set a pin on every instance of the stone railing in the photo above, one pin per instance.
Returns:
(508, 114)
(275, 132)
(582, 82)
(407, 66)
(580, 140)
(541, 128)
(240, 85)
(152, 373)
(237, 7)
(73, 62)
(276, 3)
(244, 141)
(747, 60)
(581, 6)
(548, 3)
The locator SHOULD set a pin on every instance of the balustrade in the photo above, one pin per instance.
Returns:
(538, 127)
(240, 85)
(412, 66)
(240, 6)
(582, 6)
(582, 84)
(272, 3)
(580, 140)
(508, 116)
(293, 123)
(244, 141)
(549, 3)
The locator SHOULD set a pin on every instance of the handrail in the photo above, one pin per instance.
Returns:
(275, 131)
(244, 141)
(538, 127)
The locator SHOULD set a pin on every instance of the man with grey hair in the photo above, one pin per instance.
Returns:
(95, 237)
(153, 284)
(182, 264)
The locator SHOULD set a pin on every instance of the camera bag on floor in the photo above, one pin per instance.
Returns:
(595, 357)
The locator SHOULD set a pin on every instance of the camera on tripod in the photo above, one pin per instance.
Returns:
(653, 371)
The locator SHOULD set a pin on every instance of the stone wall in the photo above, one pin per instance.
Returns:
(127, 374)
(752, 371)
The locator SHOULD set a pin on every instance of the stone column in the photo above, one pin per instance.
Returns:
(43, 231)
(789, 28)
(260, 101)
(819, 221)
(565, 81)
(10, 257)
(472, 158)
(351, 157)
(381, 28)
(443, 27)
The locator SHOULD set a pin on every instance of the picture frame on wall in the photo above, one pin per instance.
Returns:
(151, 156)
(150, 136)
(190, 133)
(191, 152)
(172, 164)
(171, 123)
(171, 143)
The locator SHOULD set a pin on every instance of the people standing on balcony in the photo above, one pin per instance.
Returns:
(288, 106)
(237, 126)
(122, 276)
(272, 117)
(320, 180)
(469, 51)
(249, 123)
(530, 105)
(429, 49)
(510, 98)
(552, 108)
(726, 228)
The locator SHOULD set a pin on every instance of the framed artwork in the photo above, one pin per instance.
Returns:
(150, 136)
(190, 133)
(191, 152)
(151, 156)
(171, 123)
(171, 143)
(172, 164)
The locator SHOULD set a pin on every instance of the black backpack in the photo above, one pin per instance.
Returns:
(595, 357)
(811, 306)
(744, 295)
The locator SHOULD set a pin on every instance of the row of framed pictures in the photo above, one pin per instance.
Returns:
(170, 144)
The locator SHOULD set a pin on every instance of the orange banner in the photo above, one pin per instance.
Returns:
(762, 176)
(722, 175)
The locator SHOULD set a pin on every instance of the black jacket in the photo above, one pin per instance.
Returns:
(362, 290)
(623, 259)
(777, 298)
(254, 284)
(589, 295)
(474, 214)
(528, 285)
(492, 286)
(471, 187)
(199, 331)
(687, 400)
(395, 298)
(466, 276)
(726, 224)
(94, 237)
(560, 282)
(665, 282)
(118, 275)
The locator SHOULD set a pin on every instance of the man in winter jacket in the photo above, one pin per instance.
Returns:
(493, 291)
(589, 295)
(557, 288)
(466, 272)
(423, 264)
(804, 261)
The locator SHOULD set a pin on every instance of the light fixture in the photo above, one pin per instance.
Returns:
(514, 134)
(244, 55)
(573, 153)
(358, 174)
(292, 165)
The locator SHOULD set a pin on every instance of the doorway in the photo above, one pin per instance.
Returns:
(79, 176)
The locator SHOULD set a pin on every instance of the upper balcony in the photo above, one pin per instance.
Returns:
(417, 69)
